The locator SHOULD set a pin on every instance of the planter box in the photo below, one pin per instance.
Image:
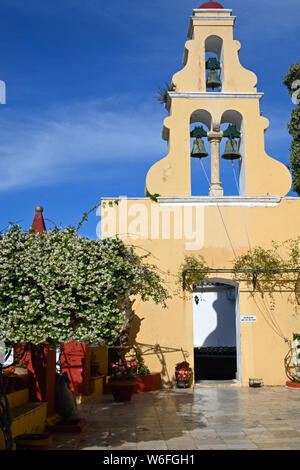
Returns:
(148, 383)
(293, 385)
(145, 383)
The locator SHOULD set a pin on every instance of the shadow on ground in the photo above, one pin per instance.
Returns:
(149, 417)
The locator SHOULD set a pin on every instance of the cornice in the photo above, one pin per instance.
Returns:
(214, 95)
(233, 201)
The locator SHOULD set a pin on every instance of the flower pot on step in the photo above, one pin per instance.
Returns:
(33, 442)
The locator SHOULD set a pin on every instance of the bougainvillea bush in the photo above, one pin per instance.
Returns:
(57, 287)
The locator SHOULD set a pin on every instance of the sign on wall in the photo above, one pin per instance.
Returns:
(248, 318)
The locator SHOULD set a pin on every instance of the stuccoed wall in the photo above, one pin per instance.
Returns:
(166, 335)
(172, 175)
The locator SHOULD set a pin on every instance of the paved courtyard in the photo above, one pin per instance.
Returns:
(209, 417)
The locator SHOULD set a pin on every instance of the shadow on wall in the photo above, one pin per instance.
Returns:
(225, 332)
(135, 349)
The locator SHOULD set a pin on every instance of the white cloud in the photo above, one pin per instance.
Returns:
(66, 142)
(76, 141)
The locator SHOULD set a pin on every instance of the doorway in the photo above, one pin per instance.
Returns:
(216, 332)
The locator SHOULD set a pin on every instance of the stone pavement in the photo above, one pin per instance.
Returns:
(205, 418)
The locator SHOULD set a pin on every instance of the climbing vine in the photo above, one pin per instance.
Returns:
(191, 272)
(272, 270)
(265, 270)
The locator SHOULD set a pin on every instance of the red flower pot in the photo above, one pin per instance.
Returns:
(122, 390)
(33, 442)
(148, 382)
(183, 378)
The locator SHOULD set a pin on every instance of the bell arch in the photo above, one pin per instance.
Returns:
(233, 174)
(200, 120)
(214, 50)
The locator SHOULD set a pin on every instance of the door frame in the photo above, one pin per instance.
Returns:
(231, 283)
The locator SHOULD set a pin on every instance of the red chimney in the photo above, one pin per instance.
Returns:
(38, 224)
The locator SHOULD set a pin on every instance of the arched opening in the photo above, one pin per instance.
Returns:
(200, 165)
(232, 169)
(217, 354)
(214, 62)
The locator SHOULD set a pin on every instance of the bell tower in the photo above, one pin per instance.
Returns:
(211, 90)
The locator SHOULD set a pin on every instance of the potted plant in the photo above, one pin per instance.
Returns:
(33, 441)
(141, 368)
(122, 381)
(146, 381)
(292, 363)
(183, 374)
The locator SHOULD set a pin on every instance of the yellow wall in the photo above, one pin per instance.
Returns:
(100, 355)
(170, 176)
(166, 335)
(224, 229)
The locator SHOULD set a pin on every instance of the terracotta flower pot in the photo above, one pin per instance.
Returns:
(122, 390)
(33, 441)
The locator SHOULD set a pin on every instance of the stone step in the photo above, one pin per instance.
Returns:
(216, 383)
(97, 390)
(28, 418)
(18, 398)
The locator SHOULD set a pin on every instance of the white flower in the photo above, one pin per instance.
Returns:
(58, 285)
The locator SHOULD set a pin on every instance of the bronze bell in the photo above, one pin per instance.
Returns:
(213, 80)
(199, 150)
(231, 150)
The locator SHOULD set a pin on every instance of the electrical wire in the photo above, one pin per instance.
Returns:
(244, 219)
(268, 316)
(273, 319)
(269, 311)
(220, 212)
(235, 177)
(268, 321)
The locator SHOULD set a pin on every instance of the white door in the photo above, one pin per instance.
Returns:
(214, 317)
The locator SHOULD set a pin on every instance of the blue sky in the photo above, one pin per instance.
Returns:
(81, 119)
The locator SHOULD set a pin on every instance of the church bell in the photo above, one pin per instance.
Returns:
(199, 150)
(213, 80)
(231, 150)
(231, 147)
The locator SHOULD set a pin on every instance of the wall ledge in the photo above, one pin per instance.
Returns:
(235, 201)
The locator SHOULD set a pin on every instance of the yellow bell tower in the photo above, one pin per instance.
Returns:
(235, 102)
(214, 101)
